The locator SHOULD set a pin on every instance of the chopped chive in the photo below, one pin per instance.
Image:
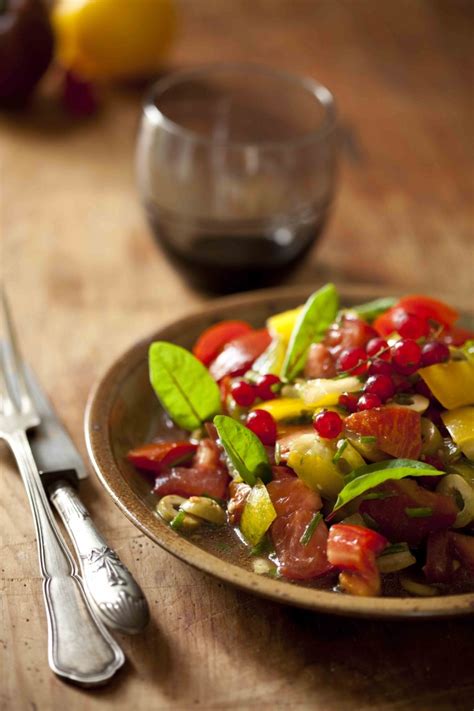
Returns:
(403, 399)
(341, 446)
(264, 546)
(274, 573)
(310, 528)
(341, 375)
(178, 520)
(369, 439)
(419, 512)
(375, 495)
(395, 548)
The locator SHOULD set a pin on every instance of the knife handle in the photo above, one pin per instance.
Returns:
(111, 588)
(79, 646)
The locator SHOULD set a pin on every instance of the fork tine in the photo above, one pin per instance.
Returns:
(13, 373)
(7, 406)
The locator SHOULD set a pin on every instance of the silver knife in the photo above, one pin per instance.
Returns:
(110, 587)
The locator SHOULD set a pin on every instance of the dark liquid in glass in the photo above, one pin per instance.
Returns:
(220, 258)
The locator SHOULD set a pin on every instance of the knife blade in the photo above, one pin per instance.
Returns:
(54, 451)
(110, 587)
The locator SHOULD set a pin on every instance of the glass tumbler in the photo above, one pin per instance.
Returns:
(236, 170)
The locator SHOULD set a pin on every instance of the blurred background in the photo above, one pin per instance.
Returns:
(74, 232)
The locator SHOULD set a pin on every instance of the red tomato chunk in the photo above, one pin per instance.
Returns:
(319, 363)
(350, 332)
(158, 456)
(239, 354)
(439, 566)
(213, 339)
(463, 547)
(392, 520)
(353, 550)
(296, 560)
(291, 494)
(238, 492)
(296, 505)
(425, 308)
(281, 471)
(206, 475)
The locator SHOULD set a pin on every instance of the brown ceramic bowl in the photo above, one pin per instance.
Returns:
(123, 412)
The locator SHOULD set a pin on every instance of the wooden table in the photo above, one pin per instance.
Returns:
(86, 281)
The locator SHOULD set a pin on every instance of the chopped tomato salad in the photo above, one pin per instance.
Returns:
(335, 444)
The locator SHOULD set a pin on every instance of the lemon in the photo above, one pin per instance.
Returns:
(113, 39)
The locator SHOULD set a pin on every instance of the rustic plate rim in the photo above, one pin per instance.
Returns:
(108, 473)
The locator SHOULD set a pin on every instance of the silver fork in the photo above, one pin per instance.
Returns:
(79, 646)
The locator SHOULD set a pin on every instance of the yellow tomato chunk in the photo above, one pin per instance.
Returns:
(460, 425)
(285, 408)
(451, 383)
(311, 457)
(281, 325)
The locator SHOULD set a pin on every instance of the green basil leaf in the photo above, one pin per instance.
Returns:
(187, 391)
(244, 449)
(371, 475)
(311, 325)
(372, 309)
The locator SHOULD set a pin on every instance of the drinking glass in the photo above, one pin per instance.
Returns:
(236, 169)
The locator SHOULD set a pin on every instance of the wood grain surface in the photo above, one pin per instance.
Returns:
(86, 280)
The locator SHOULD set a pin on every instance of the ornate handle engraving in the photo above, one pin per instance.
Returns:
(79, 646)
(110, 586)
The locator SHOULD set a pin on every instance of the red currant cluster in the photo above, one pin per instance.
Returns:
(245, 393)
(386, 365)
(259, 421)
(387, 369)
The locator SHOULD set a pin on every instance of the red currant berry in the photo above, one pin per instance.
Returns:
(348, 401)
(352, 360)
(378, 348)
(411, 326)
(434, 352)
(265, 385)
(243, 393)
(367, 401)
(328, 424)
(263, 425)
(380, 385)
(380, 367)
(406, 356)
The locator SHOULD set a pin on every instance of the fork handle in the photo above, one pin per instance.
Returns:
(79, 646)
(111, 588)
